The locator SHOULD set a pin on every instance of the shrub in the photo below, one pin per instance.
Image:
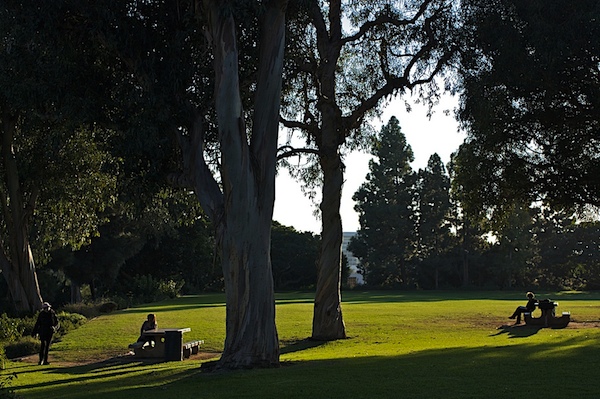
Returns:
(10, 329)
(144, 289)
(69, 322)
(89, 310)
(27, 324)
(5, 391)
(25, 346)
(170, 288)
(122, 302)
(108, 307)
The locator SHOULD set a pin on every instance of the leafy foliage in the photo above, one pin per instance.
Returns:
(55, 162)
(530, 102)
(6, 391)
(293, 255)
(186, 253)
(10, 329)
(69, 322)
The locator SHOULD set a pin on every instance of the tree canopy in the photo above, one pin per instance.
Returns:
(530, 102)
(57, 173)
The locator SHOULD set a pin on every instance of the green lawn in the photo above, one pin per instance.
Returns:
(401, 345)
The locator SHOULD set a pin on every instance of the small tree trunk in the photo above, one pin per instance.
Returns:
(328, 323)
(75, 292)
(465, 253)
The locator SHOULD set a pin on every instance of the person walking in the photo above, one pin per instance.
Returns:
(45, 326)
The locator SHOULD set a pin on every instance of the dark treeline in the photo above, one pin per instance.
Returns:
(415, 232)
(181, 262)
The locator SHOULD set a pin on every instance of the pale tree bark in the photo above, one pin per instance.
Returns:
(16, 261)
(334, 127)
(241, 206)
(328, 323)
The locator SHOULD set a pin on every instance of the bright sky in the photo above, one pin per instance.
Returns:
(426, 136)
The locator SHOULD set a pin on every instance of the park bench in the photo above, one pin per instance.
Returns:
(191, 348)
(548, 317)
(165, 343)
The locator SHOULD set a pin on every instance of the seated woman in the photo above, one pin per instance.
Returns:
(530, 307)
(149, 324)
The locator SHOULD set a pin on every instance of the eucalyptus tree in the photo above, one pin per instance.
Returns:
(347, 58)
(176, 56)
(387, 208)
(530, 102)
(56, 173)
(240, 205)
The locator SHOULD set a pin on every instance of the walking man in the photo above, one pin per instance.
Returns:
(45, 326)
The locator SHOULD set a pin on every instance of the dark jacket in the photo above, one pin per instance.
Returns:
(46, 323)
(147, 325)
(531, 304)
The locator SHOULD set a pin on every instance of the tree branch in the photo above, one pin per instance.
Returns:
(291, 151)
(386, 20)
(196, 174)
(399, 82)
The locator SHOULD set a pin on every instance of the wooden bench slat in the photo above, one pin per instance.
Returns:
(191, 347)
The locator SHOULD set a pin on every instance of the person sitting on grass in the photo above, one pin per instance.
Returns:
(530, 307)
(149, 324)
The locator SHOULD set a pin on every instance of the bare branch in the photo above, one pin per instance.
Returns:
(291, 151)
(386, 20)
(196, 174)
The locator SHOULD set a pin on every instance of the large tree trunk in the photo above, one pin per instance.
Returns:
(243, 212)
(251, 334)
(328, 323)
(18, 266)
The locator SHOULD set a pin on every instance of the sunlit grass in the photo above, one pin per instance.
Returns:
(409, 345)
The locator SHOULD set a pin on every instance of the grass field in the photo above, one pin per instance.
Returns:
(400, 345)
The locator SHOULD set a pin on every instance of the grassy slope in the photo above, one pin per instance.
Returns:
(410, 345)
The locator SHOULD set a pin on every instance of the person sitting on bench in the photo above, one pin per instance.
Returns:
(530, 307)
(149, 324)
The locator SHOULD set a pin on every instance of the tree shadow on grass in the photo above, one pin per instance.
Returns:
(296, 346)
(100, 380)
(461, 372)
